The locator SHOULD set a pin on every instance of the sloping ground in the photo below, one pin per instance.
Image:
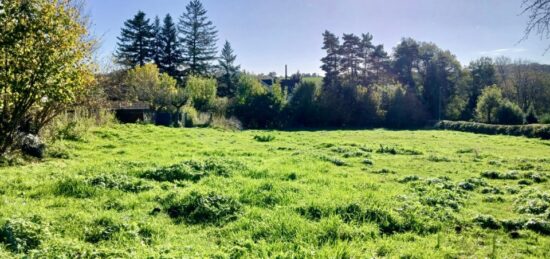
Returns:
(145, 191)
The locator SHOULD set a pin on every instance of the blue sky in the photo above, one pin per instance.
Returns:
(267, 34)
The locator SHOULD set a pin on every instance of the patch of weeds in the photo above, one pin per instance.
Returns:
(75, 188)
(466, 151)
(264, 138)
(397, 151)
(335, 161)
(58, 151)
(438, 159)
(513, 224)
(492, 199)
(525, 182)
(538, 226)
(368, 162)
(119, 182)
(487, 222)
(292, 177)
(410, 178)
(383, 171)
(491, 190)
(21, 235)
(494, 163)
(532, 202)
(102, 229)
(535, 177)
(512, 175)
(439, 193)
(471, 184)
(265, 195)
(524, 166)
(312, 212)
(198, 208)
(192, 170)
(512, 190)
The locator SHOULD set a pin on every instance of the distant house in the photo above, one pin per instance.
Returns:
(267, 81)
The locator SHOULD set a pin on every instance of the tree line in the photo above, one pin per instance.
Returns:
(363, 86)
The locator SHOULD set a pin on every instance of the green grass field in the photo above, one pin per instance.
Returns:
(144, 191)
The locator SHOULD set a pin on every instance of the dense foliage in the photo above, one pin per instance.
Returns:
(363, 86)
(44, 63)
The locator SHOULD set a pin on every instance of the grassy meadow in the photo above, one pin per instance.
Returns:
(143, 191)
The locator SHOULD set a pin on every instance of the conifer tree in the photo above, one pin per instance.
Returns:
(198, 39)
(156, 42)
(170, 55)
(134, 46)
(230, 71)
(331, 62)
(350, 52)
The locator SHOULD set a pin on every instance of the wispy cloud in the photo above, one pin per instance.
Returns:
(497, 52)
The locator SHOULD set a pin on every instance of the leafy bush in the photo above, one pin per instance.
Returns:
(257, 106)
(198, 208)
(201, 92)
(265, 138)
(72, 187)
(530, 131)
(21, 235)
(531, 115)
(303, 105)
(509, 113)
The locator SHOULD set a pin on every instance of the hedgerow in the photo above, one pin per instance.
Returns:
(530, 131)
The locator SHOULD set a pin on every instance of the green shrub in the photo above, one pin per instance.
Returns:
(198, 208)
(530, 131)
(75, 188)
(545, 118)
(509, 113)
(21, 235)
(531, 115)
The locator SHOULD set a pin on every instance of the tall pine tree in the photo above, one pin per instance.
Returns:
(198, 39)
(170, 55)
(156, 42)
(134, 46)
(350, 52)
(331, 62)
(230, 71)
